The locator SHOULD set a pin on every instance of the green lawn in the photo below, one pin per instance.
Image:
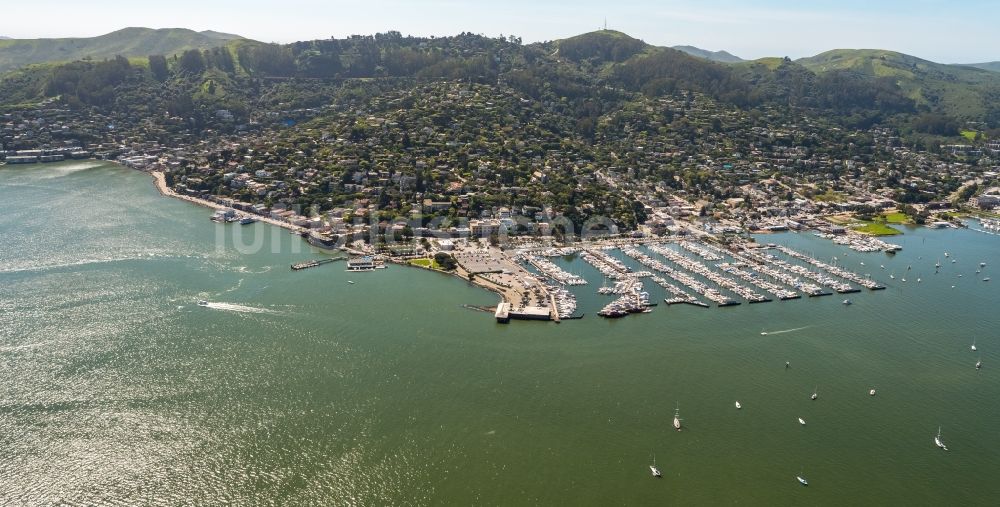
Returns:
(877, 229)
(969, 134)
(896, 218)
(426, 263)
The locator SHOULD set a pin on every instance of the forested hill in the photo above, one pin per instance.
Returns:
(128, 42)
(591, 74)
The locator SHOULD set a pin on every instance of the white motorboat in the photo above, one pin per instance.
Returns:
(738, 406)
(202, 303)
(871, 392)
(979, 363)
(677, 419)
(802, 480)
(802, 421)
(848, 302)
(938, 442)
(973, 346)
(814, 394)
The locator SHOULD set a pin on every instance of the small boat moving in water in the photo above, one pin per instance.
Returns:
(802, 480)
(202, 303)
(848, 302)
(871, 392)
(677, 418)
(738, 406)
(802, 421)
(973, 347)
(655, 471)
(938, 442)
(979, 363)
(814, 394)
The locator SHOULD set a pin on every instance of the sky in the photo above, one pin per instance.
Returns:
(947, 32)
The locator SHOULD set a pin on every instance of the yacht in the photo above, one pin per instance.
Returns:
(814, 395)
(938, 442)
(655, 471)
(247, 220)
(802, 480)
(986, 279)
(973, 347)
(350, 282)
(202, 303)
(982, 264)
(738, 406)
(871, 392)
(677, 419)
(802, 421)
(979, 363)
(848, 302)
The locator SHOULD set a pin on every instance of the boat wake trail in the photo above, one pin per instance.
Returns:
(768, 333)
(229, 307)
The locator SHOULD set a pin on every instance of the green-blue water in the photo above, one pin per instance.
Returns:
(299, 388)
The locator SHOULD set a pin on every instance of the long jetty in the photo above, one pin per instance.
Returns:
(311, 264)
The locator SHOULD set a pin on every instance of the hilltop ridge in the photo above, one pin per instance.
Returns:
(127, 42)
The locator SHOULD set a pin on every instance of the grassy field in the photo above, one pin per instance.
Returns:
(426, 263)
(896, 218)
(877, 229)
(969, 134)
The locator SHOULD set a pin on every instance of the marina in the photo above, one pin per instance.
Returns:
(334, 365)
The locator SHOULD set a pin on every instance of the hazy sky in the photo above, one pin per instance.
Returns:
(942, 31)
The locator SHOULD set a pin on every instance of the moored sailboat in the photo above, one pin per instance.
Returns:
(938, 442)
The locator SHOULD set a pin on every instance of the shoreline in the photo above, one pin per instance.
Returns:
(160, 182)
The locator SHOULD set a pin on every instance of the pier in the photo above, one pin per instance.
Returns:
(311, 264)
(700, 269)
(835, 270)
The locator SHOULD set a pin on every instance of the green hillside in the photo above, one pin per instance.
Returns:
(715, 56)
(128, 42)
(960, 91)
(990, 66)
(600, 47)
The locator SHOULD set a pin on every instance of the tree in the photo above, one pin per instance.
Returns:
(158, 67)
(447, 262)
(192, 61)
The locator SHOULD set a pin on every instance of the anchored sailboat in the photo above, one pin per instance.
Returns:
(938, 442)
(677, 418)
(652, 468)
